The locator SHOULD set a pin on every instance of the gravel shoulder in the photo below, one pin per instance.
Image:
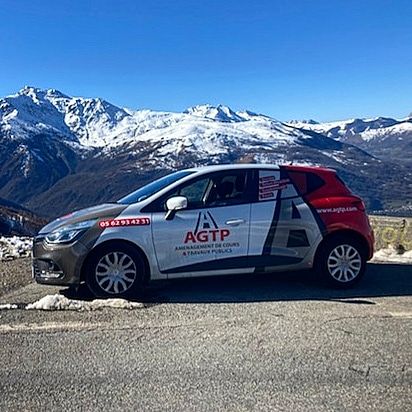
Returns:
(14, 274)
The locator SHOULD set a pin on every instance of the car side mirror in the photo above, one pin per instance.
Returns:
(174, 204)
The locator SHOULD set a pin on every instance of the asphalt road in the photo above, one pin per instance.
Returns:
(274, 342)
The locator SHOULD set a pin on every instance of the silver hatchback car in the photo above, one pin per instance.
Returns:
(214, 220)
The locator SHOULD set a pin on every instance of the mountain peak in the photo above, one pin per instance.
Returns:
(220, 113)
(56, 93)
(32, 92)
(309, 121)
(37, 94)
(28, 89)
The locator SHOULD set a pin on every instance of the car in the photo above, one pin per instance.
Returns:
(213, 220)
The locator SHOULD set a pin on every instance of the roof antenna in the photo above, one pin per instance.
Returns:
(291, 162)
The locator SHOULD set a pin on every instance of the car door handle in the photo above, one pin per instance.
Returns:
(235, 222)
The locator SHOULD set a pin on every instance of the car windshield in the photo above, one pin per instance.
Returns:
(153, 187)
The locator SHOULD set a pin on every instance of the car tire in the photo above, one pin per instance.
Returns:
(115, 271)
(341, 261)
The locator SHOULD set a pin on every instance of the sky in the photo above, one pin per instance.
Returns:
(295, 59)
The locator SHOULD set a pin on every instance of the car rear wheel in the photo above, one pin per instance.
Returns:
(115, 271)
(341, 261)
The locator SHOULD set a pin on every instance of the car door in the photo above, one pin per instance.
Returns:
(210, 236)
(283, 227)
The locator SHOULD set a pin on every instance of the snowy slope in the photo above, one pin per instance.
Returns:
(194, 135)
(33, 111)
(94, 123)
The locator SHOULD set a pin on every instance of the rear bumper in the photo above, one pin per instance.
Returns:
(57, 264)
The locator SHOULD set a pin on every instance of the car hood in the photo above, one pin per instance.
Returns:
(107, 210)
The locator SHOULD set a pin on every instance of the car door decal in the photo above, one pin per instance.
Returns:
(289, 210)
(267, 247)
(269, 185)
(212, 240)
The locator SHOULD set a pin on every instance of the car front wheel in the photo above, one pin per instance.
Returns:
(115, 271)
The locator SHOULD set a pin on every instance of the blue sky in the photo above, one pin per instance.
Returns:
(321, 59)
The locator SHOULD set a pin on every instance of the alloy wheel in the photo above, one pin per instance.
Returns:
(115, 272)
(344, 263)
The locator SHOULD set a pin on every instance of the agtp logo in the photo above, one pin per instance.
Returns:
(206, 230)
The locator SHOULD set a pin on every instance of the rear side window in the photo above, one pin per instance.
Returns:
(313, 182)
(306, 182)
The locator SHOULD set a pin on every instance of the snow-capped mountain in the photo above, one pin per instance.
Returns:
(382, 136)
(95, 123)
(59, 152)
(360, 129)
(33, 111)
(221, 113)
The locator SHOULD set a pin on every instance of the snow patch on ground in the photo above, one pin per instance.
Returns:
(15, 247)
(391, 255)
(8, 306)
(60, 302)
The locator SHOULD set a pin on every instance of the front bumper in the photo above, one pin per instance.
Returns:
(57, 264)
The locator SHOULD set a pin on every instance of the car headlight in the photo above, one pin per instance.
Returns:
(67, 234)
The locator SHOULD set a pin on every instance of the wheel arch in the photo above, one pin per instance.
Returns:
(116, 242)
(343, 233)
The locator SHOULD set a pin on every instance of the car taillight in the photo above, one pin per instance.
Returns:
(359, 205)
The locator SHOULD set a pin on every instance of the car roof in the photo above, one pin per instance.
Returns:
(216, 168)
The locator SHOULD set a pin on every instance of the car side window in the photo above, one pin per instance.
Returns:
(213, 190)
(194, 192)
(227, 189)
